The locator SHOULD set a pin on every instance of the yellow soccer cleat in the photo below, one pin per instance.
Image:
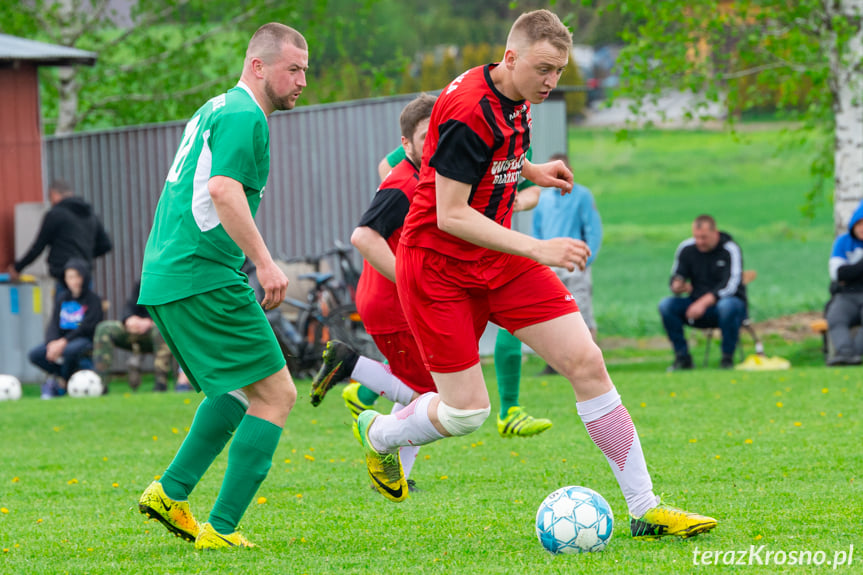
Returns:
(518, 423)
(176, 516)
(385, 469)
(352, 400)
(664, 520)
(209, 538)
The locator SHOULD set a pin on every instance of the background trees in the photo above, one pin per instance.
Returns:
(803, 58)
(159, 58)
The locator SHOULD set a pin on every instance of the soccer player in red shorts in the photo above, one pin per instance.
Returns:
(459, 265)
(376, 238)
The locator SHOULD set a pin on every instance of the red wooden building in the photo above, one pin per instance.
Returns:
(21, 126)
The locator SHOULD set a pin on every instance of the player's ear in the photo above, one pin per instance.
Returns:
(257, 67)
(509, 58)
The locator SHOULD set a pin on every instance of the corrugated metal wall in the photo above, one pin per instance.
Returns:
(323, 174)
(20, 150)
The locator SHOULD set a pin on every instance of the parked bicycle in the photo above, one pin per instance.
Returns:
(328, 312)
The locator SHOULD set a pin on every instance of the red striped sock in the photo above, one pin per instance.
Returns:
(611, 429)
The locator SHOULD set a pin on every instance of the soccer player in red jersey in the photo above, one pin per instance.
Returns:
(377, 237)
(459, 264)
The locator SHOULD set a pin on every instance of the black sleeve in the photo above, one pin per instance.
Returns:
(461, 154)
(387, 212)
(43, 238)
(681, 266)
(103, 243)
(132, 308)
(850, 272)
(92, 317)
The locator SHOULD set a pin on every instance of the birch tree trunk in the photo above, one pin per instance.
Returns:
(846, 56)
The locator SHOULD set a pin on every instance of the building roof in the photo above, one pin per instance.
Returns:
(13, 48)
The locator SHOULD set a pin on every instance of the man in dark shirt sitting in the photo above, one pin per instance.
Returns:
(707, 282)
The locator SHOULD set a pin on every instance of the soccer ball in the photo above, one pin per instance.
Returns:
(10, 388)
(574, 520)
(84, 383)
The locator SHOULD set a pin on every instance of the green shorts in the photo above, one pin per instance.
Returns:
(221, 338)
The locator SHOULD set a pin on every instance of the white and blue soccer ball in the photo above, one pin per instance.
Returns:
(574, 520)
(10, 388)
(84, 383)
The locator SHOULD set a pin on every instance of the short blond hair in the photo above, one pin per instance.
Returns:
(536, 26)
(268, 40)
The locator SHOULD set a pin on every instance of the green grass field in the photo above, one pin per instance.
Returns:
(649, 192)
(774, 456)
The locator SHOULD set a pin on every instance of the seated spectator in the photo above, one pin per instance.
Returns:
(136, 332)
(707, 282)
(69, 337)
(846, 286)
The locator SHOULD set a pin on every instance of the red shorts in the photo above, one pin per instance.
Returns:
(448, 302)
(406, 363)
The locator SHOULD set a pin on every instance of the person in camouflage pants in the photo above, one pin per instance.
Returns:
(136, 333)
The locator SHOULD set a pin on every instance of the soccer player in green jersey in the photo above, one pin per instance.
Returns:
(192, 285)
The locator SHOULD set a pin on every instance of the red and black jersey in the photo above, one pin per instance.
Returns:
(377, 298)
(476, 136)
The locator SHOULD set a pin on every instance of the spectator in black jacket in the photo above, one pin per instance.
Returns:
(136, 332)
(70, 229)
(69, 336)
(707, 282)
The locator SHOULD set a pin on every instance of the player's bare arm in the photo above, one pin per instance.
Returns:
(236, 217)
(549, 175)
(375, 250)
(456, 217)
(526, 199)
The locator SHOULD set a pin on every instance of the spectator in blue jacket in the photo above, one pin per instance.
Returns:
(846, 284)
(707, 283)
(572, 215)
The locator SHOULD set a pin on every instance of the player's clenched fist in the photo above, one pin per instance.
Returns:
(275, 284)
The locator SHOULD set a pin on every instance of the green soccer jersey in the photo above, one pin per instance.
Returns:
(189, 252)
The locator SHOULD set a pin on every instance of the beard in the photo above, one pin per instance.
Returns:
(278, 102)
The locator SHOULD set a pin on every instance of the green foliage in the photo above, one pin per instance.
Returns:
(766, 54)
(648, 192)
(717, 442)
(177, 53)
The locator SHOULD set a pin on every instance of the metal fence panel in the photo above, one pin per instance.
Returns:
(323, 175)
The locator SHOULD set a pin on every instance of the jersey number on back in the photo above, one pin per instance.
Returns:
(185, 147)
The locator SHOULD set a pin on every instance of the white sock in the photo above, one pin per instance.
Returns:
(410, 426)
(379, 378)
(407, 453)
(611, 429)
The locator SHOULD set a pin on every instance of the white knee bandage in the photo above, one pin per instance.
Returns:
(460, 421)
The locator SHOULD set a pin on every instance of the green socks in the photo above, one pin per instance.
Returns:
(507, 366)
(249, 459)
(214, 423)
(366, 395)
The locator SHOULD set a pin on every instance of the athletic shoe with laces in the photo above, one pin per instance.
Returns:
(385, 469)
(518, 423)
(175, 515)
(339, 362)
(352, 400)
(209, 538)
(664, 520)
